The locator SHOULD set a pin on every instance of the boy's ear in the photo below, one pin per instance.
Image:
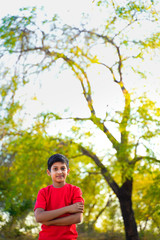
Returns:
(48, 173)
(68, 171)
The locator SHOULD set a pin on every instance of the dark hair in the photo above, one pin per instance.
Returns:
(57, 158)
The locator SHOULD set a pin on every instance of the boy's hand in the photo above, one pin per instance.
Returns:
(76, 207)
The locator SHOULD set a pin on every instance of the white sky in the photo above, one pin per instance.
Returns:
(62, 7)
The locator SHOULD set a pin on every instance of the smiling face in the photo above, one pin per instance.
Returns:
(58, 174)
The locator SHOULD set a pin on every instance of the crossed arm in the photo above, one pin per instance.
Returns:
(51, 217)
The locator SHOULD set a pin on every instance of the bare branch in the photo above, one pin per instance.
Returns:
(128, 25)
(111, 70)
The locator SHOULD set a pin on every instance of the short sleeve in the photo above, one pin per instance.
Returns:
(41, 200)
(77, 196)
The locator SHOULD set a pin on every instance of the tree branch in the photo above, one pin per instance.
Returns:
(102, 210)
(98, 123)
(137, 159)
(104, 170)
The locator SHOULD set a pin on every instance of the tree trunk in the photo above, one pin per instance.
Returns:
(125, 199)
(123, 193)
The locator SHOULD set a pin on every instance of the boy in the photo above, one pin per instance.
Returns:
(59, 207)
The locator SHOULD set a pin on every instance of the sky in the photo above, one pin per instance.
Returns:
(62, 7)
(48, 95)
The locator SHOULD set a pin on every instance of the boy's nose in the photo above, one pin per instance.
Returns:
(59, 171)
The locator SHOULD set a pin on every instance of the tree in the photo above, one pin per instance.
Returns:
(137, 122)
(22, 178)
(146, 201)
(23, 156)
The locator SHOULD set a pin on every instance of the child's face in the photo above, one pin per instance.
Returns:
(58, 173)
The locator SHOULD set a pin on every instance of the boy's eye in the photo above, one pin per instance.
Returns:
(62, 169)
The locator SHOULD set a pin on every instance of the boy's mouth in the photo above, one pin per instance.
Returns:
(60, 176)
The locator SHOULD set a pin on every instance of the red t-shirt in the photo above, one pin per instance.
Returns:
(50, 198)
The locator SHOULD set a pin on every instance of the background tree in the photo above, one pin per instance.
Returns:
(137, 123)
